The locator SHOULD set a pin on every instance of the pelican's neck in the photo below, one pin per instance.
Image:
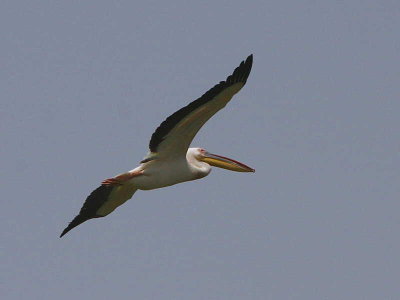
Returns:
(199, 168)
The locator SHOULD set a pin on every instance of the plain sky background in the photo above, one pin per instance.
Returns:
(84, 84)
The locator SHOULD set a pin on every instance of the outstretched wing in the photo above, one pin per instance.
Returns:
(101, 202)
(174, 135)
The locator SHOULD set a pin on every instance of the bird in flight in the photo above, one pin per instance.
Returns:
(170, 160)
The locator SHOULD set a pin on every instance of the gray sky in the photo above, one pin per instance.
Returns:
(83, 86)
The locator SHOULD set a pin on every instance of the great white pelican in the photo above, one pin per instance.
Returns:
(170, 160)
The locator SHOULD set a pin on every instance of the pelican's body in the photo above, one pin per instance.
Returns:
(170, 160)
(160, 173)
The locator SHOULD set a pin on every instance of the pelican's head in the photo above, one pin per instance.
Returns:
(219, 161)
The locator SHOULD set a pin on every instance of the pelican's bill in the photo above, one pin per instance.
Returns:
(225, 163)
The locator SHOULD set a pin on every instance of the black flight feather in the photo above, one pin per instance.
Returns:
(92, 204)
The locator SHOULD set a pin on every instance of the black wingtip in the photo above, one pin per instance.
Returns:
(248, 61)
(75, 222)
(249, 64)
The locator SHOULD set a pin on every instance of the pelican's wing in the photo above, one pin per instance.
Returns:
(101, 202)
(174, 135)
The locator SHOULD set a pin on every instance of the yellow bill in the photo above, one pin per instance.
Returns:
(225, 163)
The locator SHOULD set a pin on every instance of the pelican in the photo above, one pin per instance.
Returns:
(170, 160)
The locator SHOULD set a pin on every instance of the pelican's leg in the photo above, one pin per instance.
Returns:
(121, 178)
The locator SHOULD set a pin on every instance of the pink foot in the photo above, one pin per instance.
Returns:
(111, 181)
(120, 179)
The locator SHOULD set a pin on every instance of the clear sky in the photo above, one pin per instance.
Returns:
(84, 84)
